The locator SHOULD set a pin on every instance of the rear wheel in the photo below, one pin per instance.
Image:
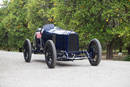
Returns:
(50, 54)
(27, 50)
(95, 52)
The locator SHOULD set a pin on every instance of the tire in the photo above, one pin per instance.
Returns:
(27, 50)
(50, 54)
(95, 52)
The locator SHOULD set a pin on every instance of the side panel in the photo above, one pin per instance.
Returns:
(68, 42)
(46, 36)
(61, 42)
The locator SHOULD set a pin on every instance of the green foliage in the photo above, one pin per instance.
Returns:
(14, 23)
(127, 58)
(101, 19)
(19, 20)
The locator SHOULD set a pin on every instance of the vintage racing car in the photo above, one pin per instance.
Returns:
(60, 45)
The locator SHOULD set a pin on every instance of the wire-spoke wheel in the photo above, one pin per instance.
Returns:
(27, 50)
(95, 52)
(50, 54)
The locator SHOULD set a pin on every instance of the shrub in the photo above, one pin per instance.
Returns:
(127, 58)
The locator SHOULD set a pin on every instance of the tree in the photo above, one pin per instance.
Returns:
(102, 19)
(106, 20)
(14, 23)
(22, 19)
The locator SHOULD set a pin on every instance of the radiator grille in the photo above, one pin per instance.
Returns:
(73, 42)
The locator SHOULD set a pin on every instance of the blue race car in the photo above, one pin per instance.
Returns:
(60, 45)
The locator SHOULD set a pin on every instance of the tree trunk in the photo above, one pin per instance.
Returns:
(128, 50)
(121, 44)
(120, 49)
(109, 54)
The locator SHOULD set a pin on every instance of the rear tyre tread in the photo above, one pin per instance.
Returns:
(27, 50)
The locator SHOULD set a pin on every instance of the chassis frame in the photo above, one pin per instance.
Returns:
(93, 52)
(60, 55)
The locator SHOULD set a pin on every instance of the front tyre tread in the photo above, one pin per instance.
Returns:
(98, 53)
(50, 54)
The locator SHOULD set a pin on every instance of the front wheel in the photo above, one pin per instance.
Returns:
(27, 50)
(50, 54)
(95, 52)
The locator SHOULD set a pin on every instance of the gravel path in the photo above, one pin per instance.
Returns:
(14, 72)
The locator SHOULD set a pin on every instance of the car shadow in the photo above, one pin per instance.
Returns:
(62, 63)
